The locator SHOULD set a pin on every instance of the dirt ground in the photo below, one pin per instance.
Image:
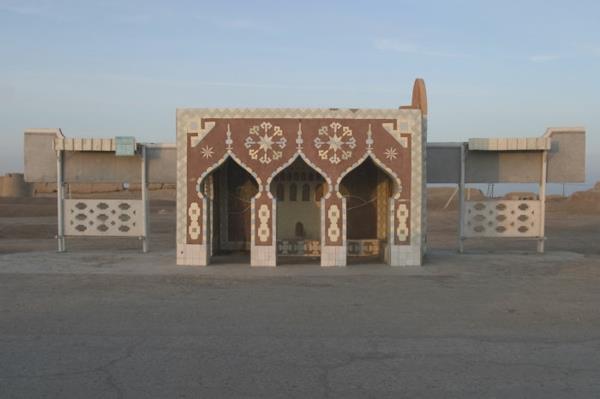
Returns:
(106, 321)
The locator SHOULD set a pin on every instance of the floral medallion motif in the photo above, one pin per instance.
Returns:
(337, 144)
(265, 142)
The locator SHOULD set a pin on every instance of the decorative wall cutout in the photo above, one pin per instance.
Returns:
(338, 142)
(402, 227)
(333, 232)
(264, 213)
(104, 217)
(502, 218)
(263, 141)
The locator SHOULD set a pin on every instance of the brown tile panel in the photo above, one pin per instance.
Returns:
(330, 161)
(267, 162)
(200, 158)
(397, 159)
(333, 162)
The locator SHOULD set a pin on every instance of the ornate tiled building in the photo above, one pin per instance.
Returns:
(331, 183)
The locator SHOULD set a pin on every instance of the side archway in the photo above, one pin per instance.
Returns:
(228, 190)
(367, 190)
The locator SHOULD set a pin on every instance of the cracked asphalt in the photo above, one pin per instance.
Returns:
(125, 325)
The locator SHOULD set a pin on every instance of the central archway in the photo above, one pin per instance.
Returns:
(298, 190)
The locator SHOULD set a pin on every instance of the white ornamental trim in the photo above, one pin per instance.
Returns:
(263, 228)
(333, 232)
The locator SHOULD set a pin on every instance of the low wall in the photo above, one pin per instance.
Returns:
(91, 188)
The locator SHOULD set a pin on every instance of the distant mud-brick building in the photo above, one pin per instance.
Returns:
(302, 182)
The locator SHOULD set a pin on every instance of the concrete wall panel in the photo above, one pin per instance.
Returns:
(503, 167)
(443, 163)
(40, 157)
(566, 159)
(161, 164)
(96, 167)
(101, 167)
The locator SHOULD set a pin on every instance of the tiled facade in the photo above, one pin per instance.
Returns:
(333, 142)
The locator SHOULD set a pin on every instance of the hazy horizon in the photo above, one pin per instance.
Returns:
(122, 68)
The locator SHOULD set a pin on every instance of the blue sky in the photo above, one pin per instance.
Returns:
(109, 68)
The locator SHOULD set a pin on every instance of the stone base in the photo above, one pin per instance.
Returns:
(403, 255)
(192, 255)
(263, 255)
(333, 256)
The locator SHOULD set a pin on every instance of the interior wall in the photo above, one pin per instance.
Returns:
(305, 208)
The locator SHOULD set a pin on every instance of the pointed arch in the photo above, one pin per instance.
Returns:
(213, 167)
(389, 172)
(367, 190)
(290, 161)
(397, 182)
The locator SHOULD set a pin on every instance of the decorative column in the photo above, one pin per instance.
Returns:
(382, 205)
(200, 150)
(398, 251)
(209, 196)
(223, 206)
(263, 246)
(333, 230)
(196, 250)
(60, 198)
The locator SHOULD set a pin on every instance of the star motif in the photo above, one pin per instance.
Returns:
(265, 143)
(207, 152)
(335, 143)
(391, 153)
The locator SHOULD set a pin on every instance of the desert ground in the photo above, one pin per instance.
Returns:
(106, 321)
